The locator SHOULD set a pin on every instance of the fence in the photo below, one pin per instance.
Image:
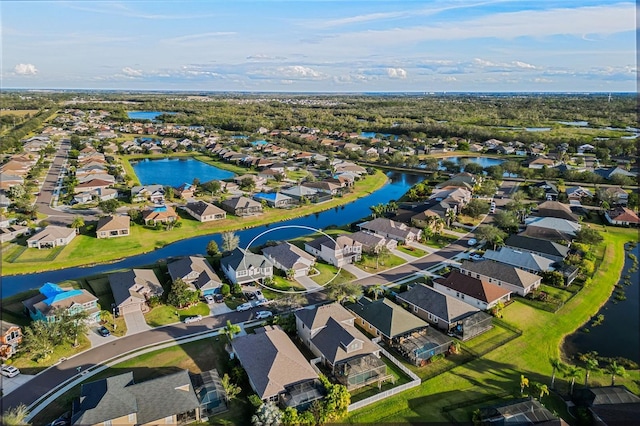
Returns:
(415, 381)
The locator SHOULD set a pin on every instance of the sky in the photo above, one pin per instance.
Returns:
(320, 46)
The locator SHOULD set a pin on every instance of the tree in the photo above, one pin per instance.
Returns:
(289, 301)
(248, 184)
(268, 414)
(231, 390)
(507, 221)
(590, 364)
(377, 290)
(230, 330)
(181, 295)
(382, 254)
(556, 366)
(588, 236)
(225, 290)
(475, 208)
(212, 248)
(109, 206)
(37, 341)
(135, 215)
(524, 383)
(169, 192)
(230, 241)
(491, 234)
(336, 401)
(553, 278)
(344, 291)
(615, 370)
(572, 372)
(541, 389)
(451, 217)
(78, 222)
(15, 416)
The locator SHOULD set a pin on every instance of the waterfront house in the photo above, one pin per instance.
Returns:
(153, 193)
(608, 405)
(521, 259)
(52, 236)
(10, 338)
(473, 291)
(113, 227)
(338, 251)
(390, 229)
(523, 411)
(515, 279)
(242, 266)
(541, 247)
(290, 259)
(159, 214)
(551, 228)
(52, 298)
(11, 232)
(196, 272)
(277, 372)
(373, 243)
(622, 216)
(274, 199)
(185, 191)
(242, 206)
(205, 212)
(132, 289)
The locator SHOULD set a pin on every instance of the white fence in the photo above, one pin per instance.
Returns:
(415, 381)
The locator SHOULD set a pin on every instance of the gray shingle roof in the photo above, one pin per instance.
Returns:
(104, 400)
(180, 268)
(318, 317)
(389, 227)
(439, 304)
(287, 254)
(537, 244)
(134, 283)
(241, 203)
(239, 259)
(502, 272)
(334, 339)
(556, 209)
(387, 317)
(520, 259)
(202, 208)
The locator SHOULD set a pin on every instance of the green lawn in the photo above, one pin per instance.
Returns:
(165, 314)
(412, 251)
(328, 272)
(86, 249)
(398, 378)
(440, 241)
(281, 283)
(368, 263)
(499, 370)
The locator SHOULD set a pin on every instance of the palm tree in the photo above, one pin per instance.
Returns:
(231, 330)
(590, 364)
(615, 370)
(541, 390)
(572, 372)
(451, 217)
(556, 366)
(524, 382)
(231, 390)
(377, 290)
(78, 222)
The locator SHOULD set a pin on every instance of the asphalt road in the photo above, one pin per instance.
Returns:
(43, 201)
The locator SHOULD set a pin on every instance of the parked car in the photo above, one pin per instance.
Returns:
(263, 314)
(189, 320)
(209, 298)
(104, 331)
(472, 242)
(9, 370)
(218, 298)
(475, 257)
(244, 307)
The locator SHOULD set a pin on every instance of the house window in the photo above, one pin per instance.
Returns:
(132, 418)
(241, 273)
(435, 319)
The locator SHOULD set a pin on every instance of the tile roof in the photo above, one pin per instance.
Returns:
(437, 303)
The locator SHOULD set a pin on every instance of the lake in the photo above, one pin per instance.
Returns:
(176, 171)
(371, 135)
(398, 184)
(618, 335)
(146, 115)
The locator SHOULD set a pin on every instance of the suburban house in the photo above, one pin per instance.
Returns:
(242, 266)
(11, 232)
(614, 195)
(277, 372)
(541, 162)
(113, 226)
(610, 172)
(622, 216)
(196, 272)
(290, 259)
(458, 197)
(551, 228)
(339, 251)
(242, 206)
(577, 193)
(609, 405)
(153, 193)
(372, 243)
(390, 229)
(329, 332)
(205, 212)
(556, 209)
(460, 180)
(515, 279)
(550, 189)
(159, 214)
(132, 289)
(300, 193)
(168, 399)
(275, 199)
(474, 291)
(185, 191)
(521, 259)
(523, 411)
(541, 247)
(10, 338)
(52, 298)
(52, 236)
(407, 333)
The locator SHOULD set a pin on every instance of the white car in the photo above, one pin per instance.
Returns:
(9, 370)
(189, 320)
(209, 298)
(475, 257)
(263, 314)
(472, 242)
(244, 307)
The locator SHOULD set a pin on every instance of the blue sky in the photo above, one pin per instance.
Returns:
(321, 46)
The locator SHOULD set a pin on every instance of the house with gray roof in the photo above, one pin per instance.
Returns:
(329, 332)
(153, 193)
(391, 229)
(299, 192)
(551, 228)
(276, 200)
(337, 251)
(132, 289)
(169, 399)
(524, 411)
(541, 247)
(515, 279)
(277, 371)
(556, 209)
(197, 272)
(521, 259)
(242, 266)
(242, 206)
(52, 236)
(290, 259)
(204, 212)
(372, 243)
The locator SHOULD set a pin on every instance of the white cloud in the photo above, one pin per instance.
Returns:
(396, 73)
(25, 69)
(128, 71)
(449, 78)
(524, 65)
(542, 80)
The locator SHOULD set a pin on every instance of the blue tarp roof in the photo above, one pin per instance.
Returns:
(266, 195)
(54, 293)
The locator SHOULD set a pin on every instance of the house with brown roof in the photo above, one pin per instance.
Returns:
(515, 279)
(278, 371)
(556, 209)
(614, 195)
(113, 227)
(622, 216)
(159, 214)
(52, 236)
(391, 229)
(242, 206)
(205, 212)
(10, 338)
(196, 272)
(474, 291)
(132, 289)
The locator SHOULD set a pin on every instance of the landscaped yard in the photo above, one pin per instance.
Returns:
(165, 314)
(369, 263)
(440, 241)
(413, 251)
(281, 283)
(328, 272)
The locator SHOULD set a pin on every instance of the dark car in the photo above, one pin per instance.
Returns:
(103, 331)
(218, 298)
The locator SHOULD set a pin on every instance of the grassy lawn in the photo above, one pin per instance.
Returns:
(399, 378)
(368, 263)
(165, 314)
(440, 241)
(234, 301)
(468, 220)
(412, 251)
(34, 255)
(499, 371)
(281, 283)
(327, 272)
(28, 366)
(297, 174)
(143, 240)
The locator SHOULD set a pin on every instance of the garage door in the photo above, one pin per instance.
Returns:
(131, 307)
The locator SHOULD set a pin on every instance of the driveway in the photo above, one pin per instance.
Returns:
(96, 339)
(308, 283)
(9, 384)
(219, 309)
(359, 273)
(403, 255)
(135, 323)
(423, 247)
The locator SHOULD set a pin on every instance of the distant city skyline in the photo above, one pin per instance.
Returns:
(321, 46)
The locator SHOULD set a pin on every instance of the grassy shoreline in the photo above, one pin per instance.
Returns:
(143, 240)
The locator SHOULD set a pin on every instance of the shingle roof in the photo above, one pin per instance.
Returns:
(502, 272)
(334, 339)
(202, 208)
(52, 233)
(367, 239)
(623, 214)
(180, 268)
(561, 225)
(277, 364)
(439, 304)
(520, 259)
(244, 259)
(387, 317)
(537, 244)
(104, 400)
(317, 317)
(287, 254)
(473, 287)
(112, 223)
(556, 209)
(134, 283)
(342, 241)
(241, 203)
(388, 226)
